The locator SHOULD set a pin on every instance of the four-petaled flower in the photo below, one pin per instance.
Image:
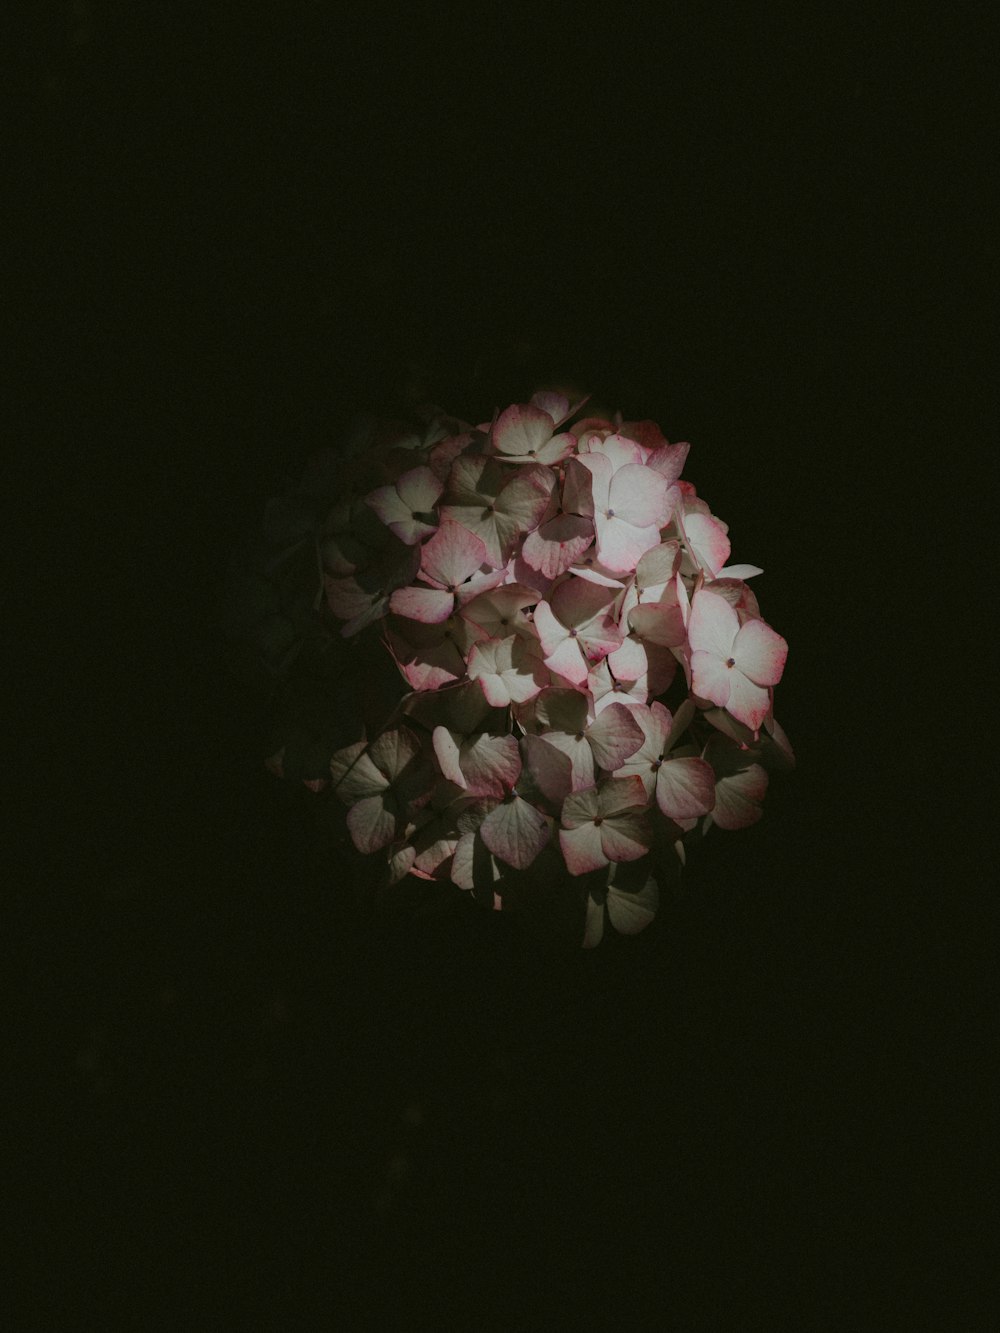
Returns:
(733, 665)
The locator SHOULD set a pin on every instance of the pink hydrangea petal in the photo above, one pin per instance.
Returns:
(685, 787)
(614, 736)
(451, 556)
(550, 766)
(560, 541)
(748, 702)
(711, 678)
(515, 832)
(522, 429)
(555, 404)
(491, 764)
(640, 496)
(659, 622)
(620, 544)
(582, 848)
(429, 606)
(760, 652)
(626, 837)
(713, 624)
(580, 808)
(708, 538)
(738, 798)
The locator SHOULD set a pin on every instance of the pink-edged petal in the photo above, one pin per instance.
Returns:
(738, 798)
(621, 544)
(522, 429)
(580, 808)
(640, 496)
(712, 625)
(429, 606)
(451, 556)
(619, 450)
(659, 622)
(491, 764)
(748, 703)
(621, 797)
(579, 497)
(760, 652)
(685, 788)
(582, 848)
(568, 661)
(558, 543)
(555, 404)
(707, 537)
(669, 460)
(515, 832)
(614, 736)
(626, 837)
(711, 678)
(508, 670)
(580, 604)
(551, 631)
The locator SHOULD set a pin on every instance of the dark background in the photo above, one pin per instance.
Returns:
(247, 1102)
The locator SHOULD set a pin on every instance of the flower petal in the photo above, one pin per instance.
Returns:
(614, 736)
(760, 652)
(685, 787)
(515, 832)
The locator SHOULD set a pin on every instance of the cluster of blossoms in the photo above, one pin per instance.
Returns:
(546, 589)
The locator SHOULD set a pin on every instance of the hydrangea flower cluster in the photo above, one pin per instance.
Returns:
(589, 679)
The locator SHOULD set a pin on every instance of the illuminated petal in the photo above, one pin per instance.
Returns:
(760, 652)
(430, 606)
(451, 556)
(685, 788)
(614, 736)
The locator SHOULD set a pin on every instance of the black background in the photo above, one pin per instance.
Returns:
(248, 1105)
